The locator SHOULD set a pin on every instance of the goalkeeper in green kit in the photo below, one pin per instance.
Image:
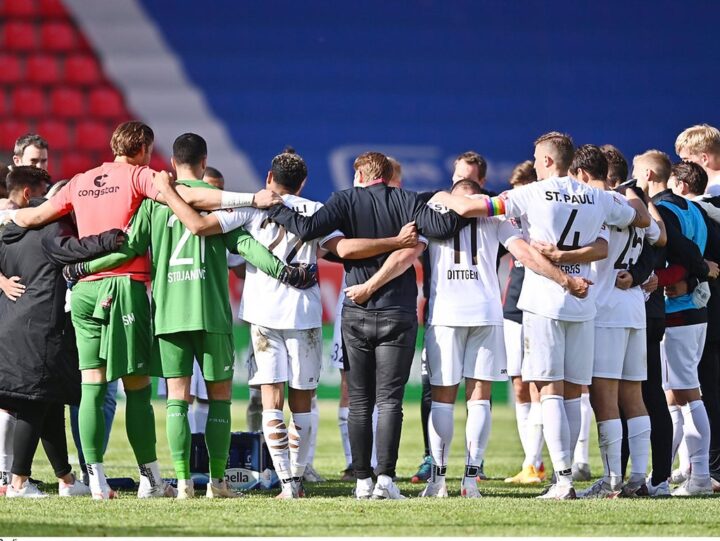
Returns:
(191, 312)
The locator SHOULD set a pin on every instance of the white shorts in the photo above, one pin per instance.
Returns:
(620, 353)
(198, 388)
(557, 350)
(680, 352)
(513, 347)
(286, 355)
(454, 353)
(336, 353)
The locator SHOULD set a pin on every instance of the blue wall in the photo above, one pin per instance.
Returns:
(434, 78)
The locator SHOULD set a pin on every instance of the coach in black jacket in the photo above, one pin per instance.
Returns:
(379, 332)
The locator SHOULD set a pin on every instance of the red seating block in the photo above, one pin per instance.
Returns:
(10, 69)
(67, 103)
(58, 36)
(74, 163)
(158, 163)
(56, 133)
(28, 102)
(42, 69)
(3, 105)
(10, 130)
(19, 36)
(92, 135)
(106, 103)
(18, 8)
(82, 70)
(52, 8)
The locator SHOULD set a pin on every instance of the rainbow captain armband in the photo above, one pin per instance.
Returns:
(495, 206)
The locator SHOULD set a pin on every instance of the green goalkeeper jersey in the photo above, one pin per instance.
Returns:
(189, 273)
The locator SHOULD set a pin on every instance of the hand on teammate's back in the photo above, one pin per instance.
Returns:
(12, 287)
(578, 286)
(624, 280)
(299, 275)
(408, 236)
(713, 269)
(266, 198)
(162, 180)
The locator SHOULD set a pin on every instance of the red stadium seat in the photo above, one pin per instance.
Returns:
(10, 130)
(18, 8)
(10, 69)
(74, 163)
(92, 135)
(106, 103)
(82, 70)
(3, 104)
(67, 103)
(42, 69)
(52, 8)
(56, 133)
(58, 36)
(28, 102)
(158, 163)
(19, 36)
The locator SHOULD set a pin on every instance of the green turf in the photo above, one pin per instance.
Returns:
(330, 511)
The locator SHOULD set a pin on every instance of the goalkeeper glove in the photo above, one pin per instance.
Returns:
(299, 275)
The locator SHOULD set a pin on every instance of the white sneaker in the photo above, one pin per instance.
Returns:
(185, 489)
(162, 490)
(364, 489)
(435, 489)
(581, 472)
(678, 476)
(661, 490)
(386, 489)
(28, 490)
(694, 487)
(557, 492)
(600, 489)
(78, 488)
(312, 476)
(104, 493)
(291, 490)
(221, 490)
(468, 489)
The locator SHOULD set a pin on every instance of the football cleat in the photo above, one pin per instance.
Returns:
(469, 489)
(581, 472)
(162, 490)
(600, 489)
(386, 489)
(78, 488)
(220, 490)
(291, 490)
(424, 471)
(694, 487)
(105, 493)
(661, 490)
(541, 471)
(527, 476)
(634, 489)
(557, 492)
(185, 489)
(435, 489)
(312, 476)
(28, 490)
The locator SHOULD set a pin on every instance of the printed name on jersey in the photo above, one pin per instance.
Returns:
(182, 276)
(583, 199)
(462, 274)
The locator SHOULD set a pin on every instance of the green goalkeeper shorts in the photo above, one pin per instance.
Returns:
(177, 352)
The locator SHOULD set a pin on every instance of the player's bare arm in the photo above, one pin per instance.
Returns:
(397, 263)
(476, 207)
(346, 248)
(662, 239)
(587, 254)
(642, 215)
(190, 218)
(36, 216)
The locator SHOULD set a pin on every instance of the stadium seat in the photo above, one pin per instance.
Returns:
(52, 8)
(67, 103)
(28, 102)
(42, 69)
(10, 130)
(158, 163)
(11, 71)
(92, 135)
(73, 163)
(106, 103)
(57, 134)
(58, 36)
(3, 104)
(19, 36)
(18, 8)
(82, 70)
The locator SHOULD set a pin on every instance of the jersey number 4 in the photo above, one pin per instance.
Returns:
(566, 232)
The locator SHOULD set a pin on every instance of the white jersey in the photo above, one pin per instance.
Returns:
(569, 214)
(464, 289)
(622, 307)
(265, 301)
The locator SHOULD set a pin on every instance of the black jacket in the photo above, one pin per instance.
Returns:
(34, 363)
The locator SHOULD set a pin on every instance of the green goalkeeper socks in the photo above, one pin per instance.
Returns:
(91, 421)
(140, 425)
(217, 437)
(178, 435)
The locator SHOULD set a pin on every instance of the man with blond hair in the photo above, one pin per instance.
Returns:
(701, 144)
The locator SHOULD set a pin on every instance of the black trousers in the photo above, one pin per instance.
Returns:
(425, 403)
(709, 375)
(40, 421)
(380, 346)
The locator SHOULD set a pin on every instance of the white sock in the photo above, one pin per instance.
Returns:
(373, 456)
(276, 438)
(610, 440)
(315, 411)
(639, 444)
(440, 432)
(191, 418)
(300, 441)
(582, 447)
(534, 436)
(557, 435)
(677, 441)
(7, 432)
(573, 412)
(477, 430)
(96, 475)
(697, 437)
(522, 412)
(150, 474)
(343, 413)
(200, 415)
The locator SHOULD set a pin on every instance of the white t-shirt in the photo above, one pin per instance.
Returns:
(464, 290)
(265, 301)
(569, 214)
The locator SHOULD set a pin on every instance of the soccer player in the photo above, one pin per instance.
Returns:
(701, 144)
(617, 166)
(110, 310)
(557, 327)
(465, 338)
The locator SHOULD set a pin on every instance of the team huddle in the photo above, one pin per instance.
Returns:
(611, 296)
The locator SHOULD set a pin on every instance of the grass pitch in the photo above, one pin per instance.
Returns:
(329, 510)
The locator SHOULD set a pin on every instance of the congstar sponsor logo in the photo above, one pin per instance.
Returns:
(101, 190)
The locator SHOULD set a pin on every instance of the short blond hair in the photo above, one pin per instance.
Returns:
(374, 165)
(129, 138)
(699, 138)
(523, 173)
(657, 161)
(562, 148)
